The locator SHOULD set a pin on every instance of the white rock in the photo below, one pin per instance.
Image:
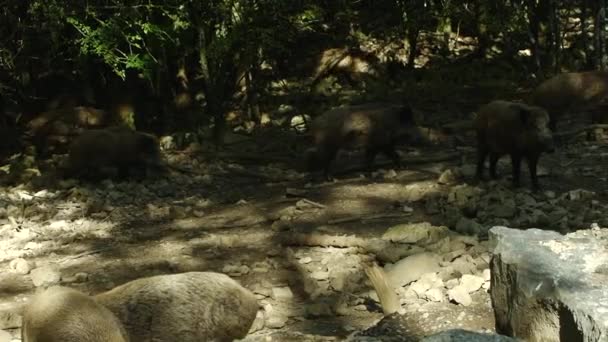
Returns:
(320, 275)
(274, 320)
(460, 295)
(436, 294)
(305, 260)
(45, 276)
(486, 274)
(471, 283)
(282, 293)
(5, 336)
(20, 266)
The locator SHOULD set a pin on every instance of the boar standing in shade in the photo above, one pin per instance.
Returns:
(516, 129)
(61, 314)
(568, 91)
(185, 307)
(121, 148)
(376, 127)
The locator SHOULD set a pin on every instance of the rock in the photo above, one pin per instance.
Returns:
(275, 320)
(505, 209)
(460, 295)
(5, 336)
(447, 177)
(464, 265)
(10, 315)
(452, 283)
(411, 268)
(426, 282)
(282, 293)
(468, 226)
(459, 335)
(305, 260)
(320, 275)
(20, 266)
(471, 283)
(461, 195)
(486, 274)
(435, 295)
(422, 232)
(300, 122)
(550, 287)
(45, 276)
(258, 323)
(319, 310)
(578, 194)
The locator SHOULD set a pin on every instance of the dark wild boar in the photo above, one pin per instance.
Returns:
(568, 91)
(376, 127)
(61, 314)
(516, 129)
(185, 307)
(120, 148)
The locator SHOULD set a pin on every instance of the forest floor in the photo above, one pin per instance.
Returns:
(300, 247)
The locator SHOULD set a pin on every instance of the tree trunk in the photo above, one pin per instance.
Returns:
(412, 40)
(554, 33)
(599, 45)
(533, 33)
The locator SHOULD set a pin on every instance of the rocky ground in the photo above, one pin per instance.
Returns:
(301, 248)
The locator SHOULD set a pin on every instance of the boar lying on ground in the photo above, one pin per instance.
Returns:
(516, 129)
(185, 307)
(376, 127)
(96, 150)
(61, 314)
(568, 91)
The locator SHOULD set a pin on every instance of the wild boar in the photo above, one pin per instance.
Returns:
(516, 129)
(376, 127)
(568, 91)
(121, 148)
(61, 314)
(185, 307)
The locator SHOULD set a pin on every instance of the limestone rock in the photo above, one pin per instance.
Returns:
(5, 336)
(45, 276)
(471, 283)
(549, 287)
(460, 295)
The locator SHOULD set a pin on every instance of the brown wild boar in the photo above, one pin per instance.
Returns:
(185, 307)
(376, 127)
(61, 314)
(115, 147)
(568, 91)
(516, 129)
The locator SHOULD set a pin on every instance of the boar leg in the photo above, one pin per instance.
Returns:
(370, 156)
(532, 162)
(493, 160)
(552, 122)
(390, 152)
(326, 156)
(481, 159)
(516, 164)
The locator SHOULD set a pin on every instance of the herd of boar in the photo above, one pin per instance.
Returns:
(522, 131)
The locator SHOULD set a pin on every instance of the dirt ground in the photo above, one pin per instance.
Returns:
(240, 217)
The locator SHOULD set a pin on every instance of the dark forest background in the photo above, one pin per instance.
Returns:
(176, 67)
